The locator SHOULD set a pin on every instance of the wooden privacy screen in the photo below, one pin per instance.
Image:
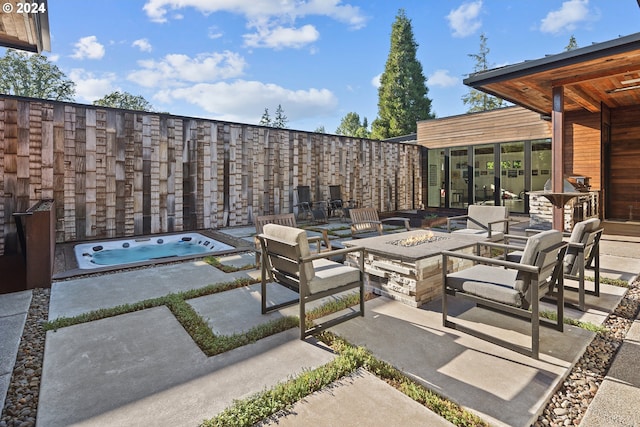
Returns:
(117, 173)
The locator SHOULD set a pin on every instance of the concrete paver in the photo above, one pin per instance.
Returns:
(142, 368)
(383, 406)
(13, 313)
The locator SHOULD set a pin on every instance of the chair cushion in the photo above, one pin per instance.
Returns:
(531, 252)
(492, 283)
(486, 214)
(579, 234)
(292, 236)
(330, 275)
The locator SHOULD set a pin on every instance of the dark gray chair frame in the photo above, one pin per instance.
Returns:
(317, 211)
(587, 256)
(337, 204)
(290, 221)
(281, 250)
(533, 272)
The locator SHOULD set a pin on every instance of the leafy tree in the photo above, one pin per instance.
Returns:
(320, 129)
(124, 100)
(280, 121)
(573, 44)
(351, 126)
(402, 96)
(32, 75)
(265, 120)
(475, 99)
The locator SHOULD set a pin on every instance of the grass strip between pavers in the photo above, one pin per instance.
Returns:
(265, 404)
(197, 327)
(215, 262)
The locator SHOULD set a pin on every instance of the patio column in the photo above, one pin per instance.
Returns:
(557, 144)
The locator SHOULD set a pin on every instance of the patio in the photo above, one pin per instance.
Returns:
(143, 368)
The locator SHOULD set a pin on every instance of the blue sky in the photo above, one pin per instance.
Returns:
(319, 59)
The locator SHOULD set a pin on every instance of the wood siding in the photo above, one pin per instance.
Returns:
(581, 150)
(117, 173)
(501, 125)
(624, 178)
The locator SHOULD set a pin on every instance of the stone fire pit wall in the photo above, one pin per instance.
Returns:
(407, 277)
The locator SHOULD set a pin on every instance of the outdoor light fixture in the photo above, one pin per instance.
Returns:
(622, 89)
(628, 82)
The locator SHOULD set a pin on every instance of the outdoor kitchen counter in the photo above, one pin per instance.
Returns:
(408, 269)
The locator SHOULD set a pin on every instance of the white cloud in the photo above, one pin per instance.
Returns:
(176, 69)
(442, 78)
(53, 58)
(280, 37)
(214, 33)
(245, 101)
(375, 81)
(88, 47)
(273, 20)
(464, 20)
(157, 10)
(90, 87)
(565, 18)
(143, 45)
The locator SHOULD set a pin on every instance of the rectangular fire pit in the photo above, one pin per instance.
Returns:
(408, 266)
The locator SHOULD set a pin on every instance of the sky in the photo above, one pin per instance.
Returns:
(319, 59)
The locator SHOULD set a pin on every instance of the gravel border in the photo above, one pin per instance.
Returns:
(565, 408)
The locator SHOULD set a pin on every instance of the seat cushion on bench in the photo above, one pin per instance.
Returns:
(330, 275)
(487, 282)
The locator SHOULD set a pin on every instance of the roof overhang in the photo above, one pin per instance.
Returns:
(604, 73)
(25, 31)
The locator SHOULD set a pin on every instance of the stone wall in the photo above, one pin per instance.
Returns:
(577, 209)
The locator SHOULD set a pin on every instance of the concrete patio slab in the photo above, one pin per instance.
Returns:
(13, 314)
(73, 297)
(239, 260)
(503, 387)
(618, 398)
(383, 406)
(143, 369)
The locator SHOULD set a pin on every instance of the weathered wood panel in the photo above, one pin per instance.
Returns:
(117, 173)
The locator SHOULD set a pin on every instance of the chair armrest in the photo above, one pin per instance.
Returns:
(405, 220)
(454, 218)
(333, 253)
(491, 261)
(503, 221)
(505, 246)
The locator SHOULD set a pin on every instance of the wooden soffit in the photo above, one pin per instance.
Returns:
(25, 31)
(607, 73)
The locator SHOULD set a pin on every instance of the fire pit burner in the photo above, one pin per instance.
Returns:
(417, 240)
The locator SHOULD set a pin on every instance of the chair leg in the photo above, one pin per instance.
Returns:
(303, 323)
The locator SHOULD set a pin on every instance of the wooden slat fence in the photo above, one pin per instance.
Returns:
(120, 173)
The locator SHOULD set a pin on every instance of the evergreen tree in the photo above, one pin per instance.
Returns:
(34, 76)
(351, 126)
(475, 99)
(402, 96)
(265, 120)
(573, 44)
(124, 100)
(320, 129)
(280, 121)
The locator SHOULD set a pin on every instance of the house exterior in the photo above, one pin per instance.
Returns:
(585, 102)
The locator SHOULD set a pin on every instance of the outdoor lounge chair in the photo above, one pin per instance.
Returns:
(582, 253)
(490, 221)
(365, 222)
(288, 261)
(290, 221)
(338, 206)
(510, 287)
(317, 211)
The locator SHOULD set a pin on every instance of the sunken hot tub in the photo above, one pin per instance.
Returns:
(128, 251)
